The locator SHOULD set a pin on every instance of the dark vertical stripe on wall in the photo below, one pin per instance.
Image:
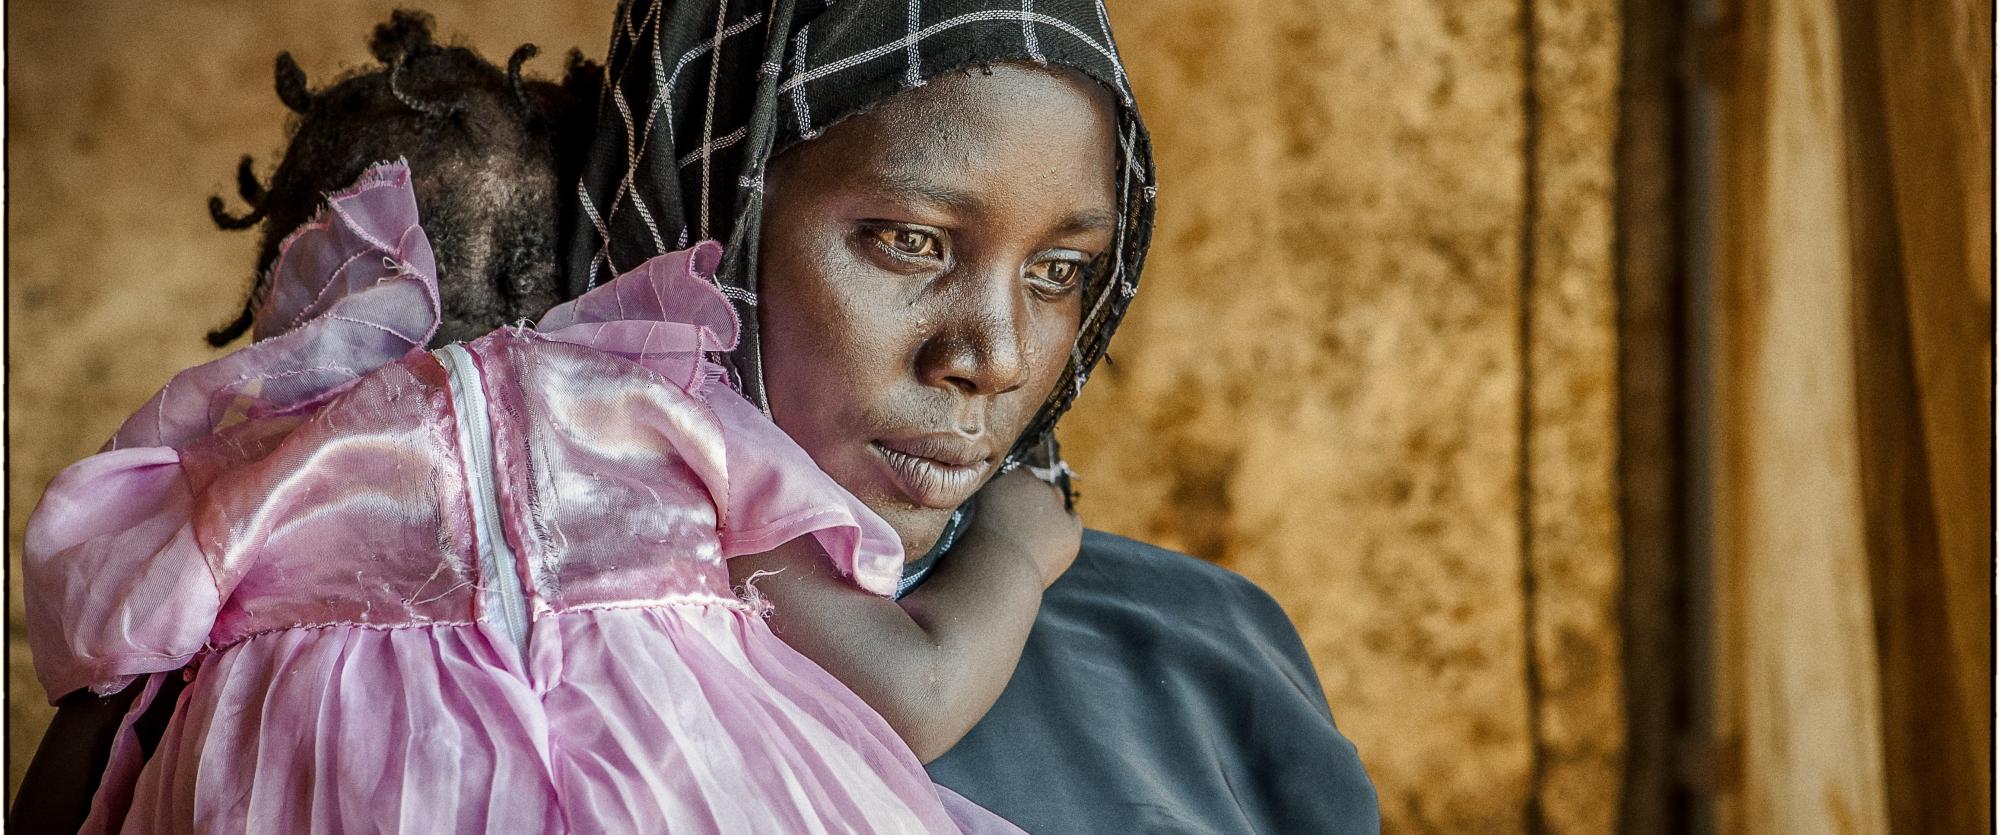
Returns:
(1530, 215)
(1649, 268)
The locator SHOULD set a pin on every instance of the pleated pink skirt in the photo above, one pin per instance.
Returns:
(683, 719)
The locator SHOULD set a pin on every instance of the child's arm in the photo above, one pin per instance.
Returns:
(933, 663)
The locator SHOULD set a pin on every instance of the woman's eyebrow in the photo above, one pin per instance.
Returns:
(1089, 220)
(905, 184)
(911, 185)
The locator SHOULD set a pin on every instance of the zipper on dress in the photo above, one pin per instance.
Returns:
(500, 576)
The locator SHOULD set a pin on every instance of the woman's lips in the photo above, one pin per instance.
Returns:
(937, 473)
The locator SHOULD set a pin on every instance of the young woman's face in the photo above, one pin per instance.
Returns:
(922, 280)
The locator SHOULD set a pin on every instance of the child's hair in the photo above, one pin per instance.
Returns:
(489, 152)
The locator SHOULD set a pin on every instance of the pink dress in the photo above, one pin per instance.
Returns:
(474, 590)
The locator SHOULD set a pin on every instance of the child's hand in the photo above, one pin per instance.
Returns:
(1031, 513)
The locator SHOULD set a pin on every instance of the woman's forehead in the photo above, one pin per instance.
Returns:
(933, 142)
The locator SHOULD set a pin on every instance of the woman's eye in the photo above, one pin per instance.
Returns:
(911, 243)
(1060, 275)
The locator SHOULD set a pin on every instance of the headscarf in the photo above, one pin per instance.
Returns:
(683, 141)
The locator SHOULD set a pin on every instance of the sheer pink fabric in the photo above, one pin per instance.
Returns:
(355, 288)
(294, 523)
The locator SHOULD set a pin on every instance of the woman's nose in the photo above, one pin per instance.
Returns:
(976, 334)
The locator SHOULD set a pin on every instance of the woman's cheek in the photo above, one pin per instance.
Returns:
(1047, 355)
(874, 319)
(1055, 338)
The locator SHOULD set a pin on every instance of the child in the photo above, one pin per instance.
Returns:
(487, 587)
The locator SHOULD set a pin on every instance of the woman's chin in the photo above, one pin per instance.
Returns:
(918, 527)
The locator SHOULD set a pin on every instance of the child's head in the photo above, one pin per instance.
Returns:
(487, 151)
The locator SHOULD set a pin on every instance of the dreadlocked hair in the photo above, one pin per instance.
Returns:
(489, 152)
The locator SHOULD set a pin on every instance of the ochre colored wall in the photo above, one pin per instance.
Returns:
(1370, 368)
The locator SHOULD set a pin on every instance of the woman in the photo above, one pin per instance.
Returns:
(1155, 692)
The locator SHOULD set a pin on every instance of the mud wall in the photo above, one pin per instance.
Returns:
(1371, 367)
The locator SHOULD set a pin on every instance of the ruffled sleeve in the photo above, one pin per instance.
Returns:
(666, 314)
(116, 585)
(777, 494)
(349, 292)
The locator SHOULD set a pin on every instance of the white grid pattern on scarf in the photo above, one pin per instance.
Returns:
(638, 137)
(913, 69)
(641, 137)
(1028, 36)
(799, 93)
(1117, 66)
(721, 144)
(801, 76)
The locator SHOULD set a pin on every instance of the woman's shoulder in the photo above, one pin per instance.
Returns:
(1135, 592)
(1105, 550)
(1127, 711)
(1136, 571)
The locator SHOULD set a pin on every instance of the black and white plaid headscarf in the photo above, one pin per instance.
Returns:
(682, 140)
